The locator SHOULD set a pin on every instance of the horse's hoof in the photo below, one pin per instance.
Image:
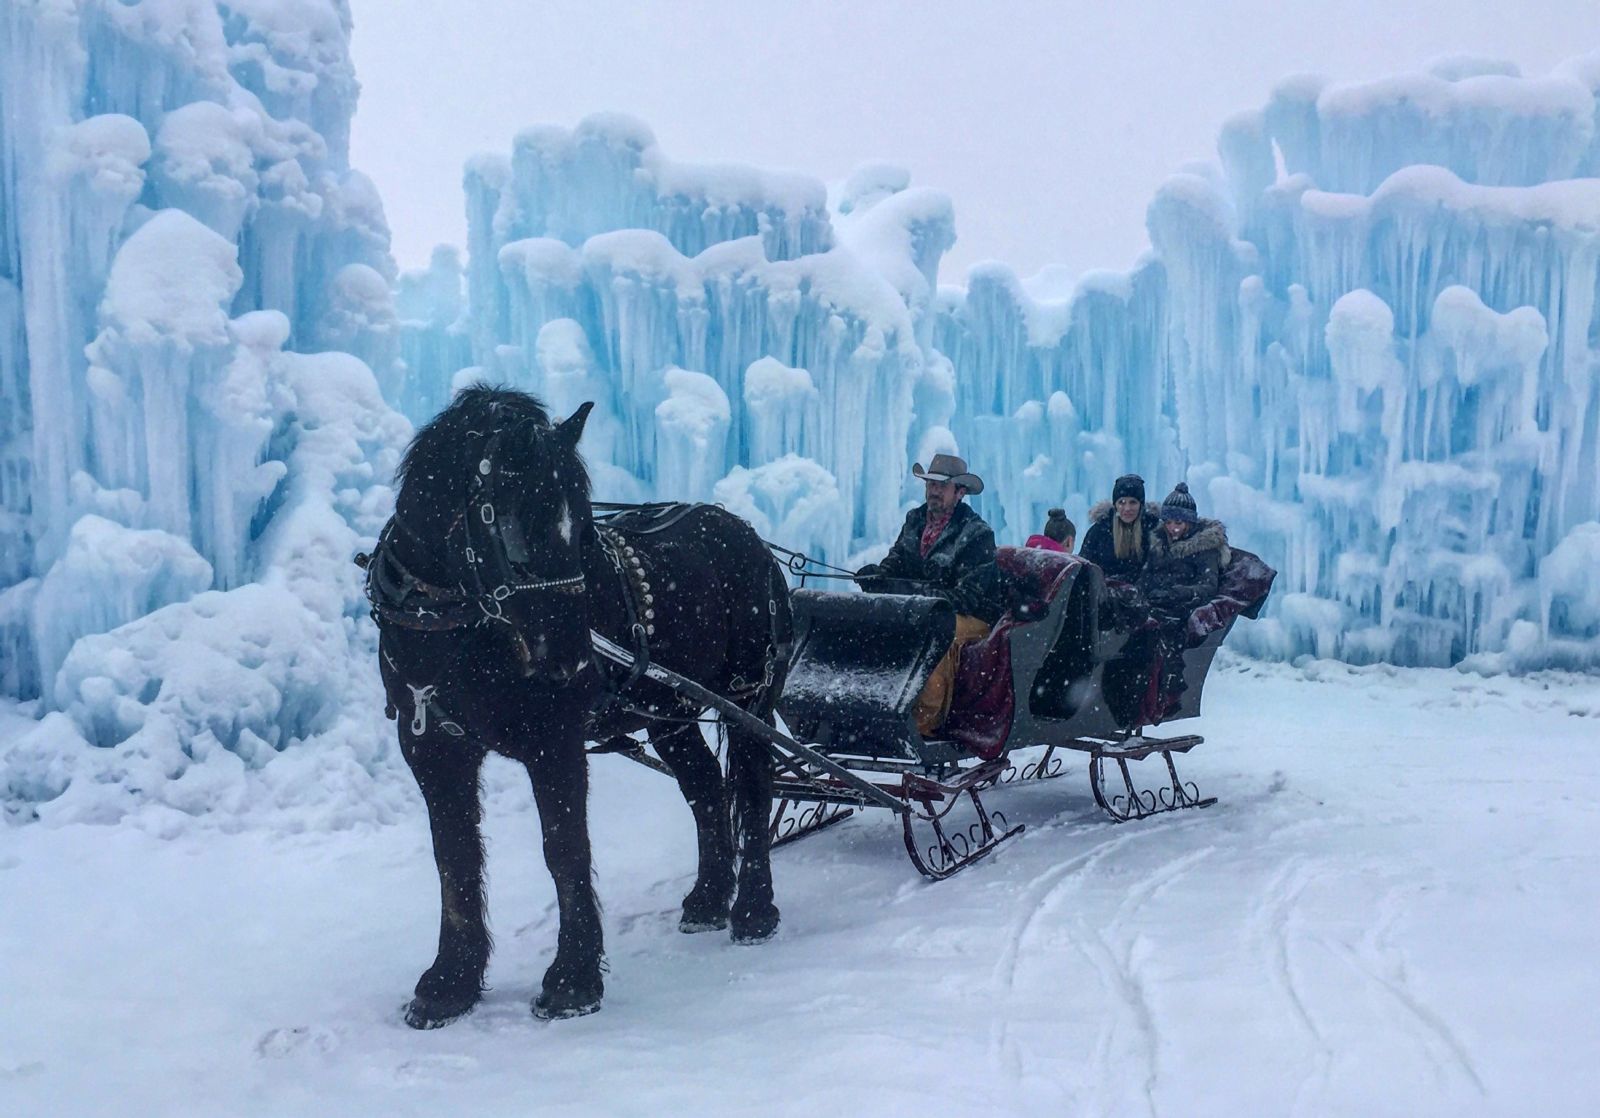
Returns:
(755, 928)
(435, 1013)
(549, 1009)
(702, 923)
(706, 909)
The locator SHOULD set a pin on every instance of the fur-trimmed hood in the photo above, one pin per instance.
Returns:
(1102, 511)
(1207, 535)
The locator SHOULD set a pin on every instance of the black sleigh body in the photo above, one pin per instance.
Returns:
(1054, 675)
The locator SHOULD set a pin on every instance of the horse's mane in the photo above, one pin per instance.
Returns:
(438, 448)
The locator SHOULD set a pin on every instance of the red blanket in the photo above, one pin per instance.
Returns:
(982, 702)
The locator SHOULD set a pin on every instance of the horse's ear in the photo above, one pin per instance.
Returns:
(571, 428)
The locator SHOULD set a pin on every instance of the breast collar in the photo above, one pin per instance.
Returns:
(638, 597)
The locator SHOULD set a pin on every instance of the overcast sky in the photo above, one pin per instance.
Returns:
(1049, 124)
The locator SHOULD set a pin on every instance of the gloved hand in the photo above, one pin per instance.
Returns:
(870, 571)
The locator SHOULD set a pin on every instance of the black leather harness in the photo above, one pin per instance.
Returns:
(398, 597)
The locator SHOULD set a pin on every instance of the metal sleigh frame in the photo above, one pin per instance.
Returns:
(833, 789)
(859, 663)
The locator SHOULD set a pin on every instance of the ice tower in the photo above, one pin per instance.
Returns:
(1369, 342)
(718, 315)
(183, 469)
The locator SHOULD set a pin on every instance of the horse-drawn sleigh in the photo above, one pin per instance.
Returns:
(513, 620)
(1049, 678)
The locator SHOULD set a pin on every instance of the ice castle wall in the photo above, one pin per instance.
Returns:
(1368, 336)
(1379, 366)
(599, 269)
(177, 212)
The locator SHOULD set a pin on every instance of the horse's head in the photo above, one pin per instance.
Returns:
(507, 496)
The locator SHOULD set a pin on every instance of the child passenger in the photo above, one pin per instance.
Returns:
(1059, 533)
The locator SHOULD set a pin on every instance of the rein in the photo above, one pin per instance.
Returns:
(799, 564)
(656, 516)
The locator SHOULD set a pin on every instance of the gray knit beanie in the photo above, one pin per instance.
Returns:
(1179, 505)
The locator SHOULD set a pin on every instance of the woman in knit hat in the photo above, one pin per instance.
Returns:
(1121, 530)
(1187, 558)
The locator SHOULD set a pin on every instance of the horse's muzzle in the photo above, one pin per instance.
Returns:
(557, 674)
(552, 672)
(535, 662)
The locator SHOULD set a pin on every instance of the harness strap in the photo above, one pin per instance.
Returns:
(399, 597)
(421, 699)
(642, 520)
(638, 600)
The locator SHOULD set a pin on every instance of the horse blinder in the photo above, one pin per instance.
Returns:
(500, 561)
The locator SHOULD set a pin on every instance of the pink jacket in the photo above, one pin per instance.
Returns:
(1045, 542)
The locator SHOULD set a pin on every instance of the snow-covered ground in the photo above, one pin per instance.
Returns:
(1392, 910)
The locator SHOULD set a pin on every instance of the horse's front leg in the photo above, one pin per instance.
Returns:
(447, 773)
(755, 916)
(559, 770)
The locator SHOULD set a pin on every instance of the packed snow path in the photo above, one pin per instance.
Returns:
(1391, 911)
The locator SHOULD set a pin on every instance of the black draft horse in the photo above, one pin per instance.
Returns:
(485, 586)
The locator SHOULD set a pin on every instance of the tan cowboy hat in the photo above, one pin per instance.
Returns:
(947, 467)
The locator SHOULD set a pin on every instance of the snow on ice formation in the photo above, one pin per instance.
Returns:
(183, 478)
(1369, 339)
(706, 269)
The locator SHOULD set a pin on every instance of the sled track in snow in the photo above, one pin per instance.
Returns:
(1374, 961)
(1272, 919)
(1040, 895)
(1116, 970)
(1383, 965)
(1113, 955)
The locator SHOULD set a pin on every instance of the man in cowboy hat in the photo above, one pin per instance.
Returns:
(941, 544)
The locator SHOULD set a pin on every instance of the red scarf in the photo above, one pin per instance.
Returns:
(930, 533)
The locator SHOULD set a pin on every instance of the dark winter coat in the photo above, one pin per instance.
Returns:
(957, 565)
(1100, 548)
(1183, 575)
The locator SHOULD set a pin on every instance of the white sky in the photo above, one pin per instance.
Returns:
(1049, 124)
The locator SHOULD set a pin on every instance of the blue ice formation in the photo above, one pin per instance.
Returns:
(185, 464)
(719, 316)
(1368, 338)
(1379, 362)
